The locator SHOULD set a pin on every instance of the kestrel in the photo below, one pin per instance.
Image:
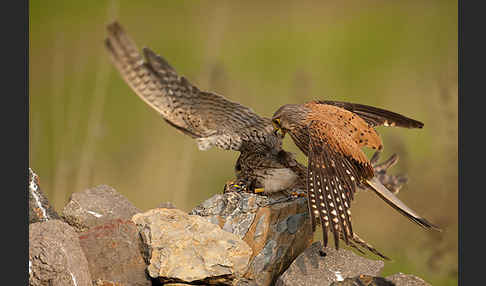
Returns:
(330, 133)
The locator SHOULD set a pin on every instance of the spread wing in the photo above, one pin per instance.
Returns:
(376, 116)
(334, 169)
(210, 118)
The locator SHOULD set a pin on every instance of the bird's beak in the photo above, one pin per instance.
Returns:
(279, 132)
(276, 129)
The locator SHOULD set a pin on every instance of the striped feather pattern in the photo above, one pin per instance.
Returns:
(210, 117)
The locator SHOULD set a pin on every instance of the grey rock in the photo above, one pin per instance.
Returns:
(276, 227)
(401, 279)
(363, 280)
(113, 253)
(317, 266)
(39, 207)
(184, 248)
(55, 255)
(97, 206)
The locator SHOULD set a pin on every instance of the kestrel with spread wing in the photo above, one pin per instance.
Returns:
(330, 133)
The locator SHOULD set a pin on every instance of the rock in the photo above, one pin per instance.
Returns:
(39, 207)
(363, 280)
(401, 279)
(55, 255)
(101, 282)
(184, 248)
(97, 206)
(113, 253)
(277, 228)
(244, 282)
(322, 267)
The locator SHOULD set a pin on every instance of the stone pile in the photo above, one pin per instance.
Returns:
(235, 238)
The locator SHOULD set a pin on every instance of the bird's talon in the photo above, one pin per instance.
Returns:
(231, 186)
(298, 194)
(259, 190)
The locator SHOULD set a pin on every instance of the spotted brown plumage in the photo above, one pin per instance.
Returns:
(332, 136)
(213, 120)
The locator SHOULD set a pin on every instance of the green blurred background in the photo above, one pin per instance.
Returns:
(88, 128)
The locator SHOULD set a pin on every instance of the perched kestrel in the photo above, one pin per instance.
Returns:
(263, 165)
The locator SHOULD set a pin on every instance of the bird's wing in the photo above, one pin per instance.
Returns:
(376, 116)
(334, 169)
(210, 118)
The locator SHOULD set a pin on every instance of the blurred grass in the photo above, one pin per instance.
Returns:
(88, 128)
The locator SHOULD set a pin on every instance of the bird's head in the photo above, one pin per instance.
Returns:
(288, 117)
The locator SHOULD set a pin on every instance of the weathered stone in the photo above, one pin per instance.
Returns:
(113, 253)
(401, 279)
(322, 267)
(184, 248)
(276, 227)
(55, 255)
(363, 280)
(39, 207)
(244, 282)
(100, 282)
(97, 206)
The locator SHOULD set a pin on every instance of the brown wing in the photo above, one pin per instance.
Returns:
(210, 118)
(346, 130)
(376, 116)
(334, 169)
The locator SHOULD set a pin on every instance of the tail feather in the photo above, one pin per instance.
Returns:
(398, 205)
